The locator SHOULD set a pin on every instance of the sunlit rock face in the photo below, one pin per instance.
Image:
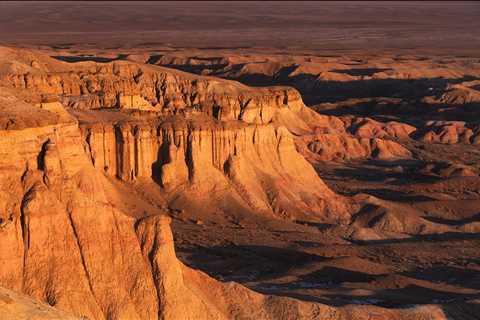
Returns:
(73, 135)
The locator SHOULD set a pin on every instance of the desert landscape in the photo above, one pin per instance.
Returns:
(246, 160)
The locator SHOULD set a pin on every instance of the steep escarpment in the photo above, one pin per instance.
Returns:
(67, 242)
(67, 239)
(124, 85)
(258, 163)
(94, 156)
(241, 146)
(425, 87)
(64, 242)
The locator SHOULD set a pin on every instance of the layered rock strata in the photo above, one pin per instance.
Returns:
(66, 239)
(124, 84)
(258, 162)
(66, 242)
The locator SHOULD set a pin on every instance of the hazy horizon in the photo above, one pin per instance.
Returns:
(354, 25)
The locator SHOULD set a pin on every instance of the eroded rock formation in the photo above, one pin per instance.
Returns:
(87, 85)
(248, 152)
(65, 242)
(68, 236)
(258, 162)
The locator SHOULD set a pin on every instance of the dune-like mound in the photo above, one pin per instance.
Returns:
(347, 139)
(462, 93)
(448, 132)
(14, 306)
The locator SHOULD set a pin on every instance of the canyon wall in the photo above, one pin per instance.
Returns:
(62, 240)
(240, 145)
(66, 242)
(66, 236)
(258, 162)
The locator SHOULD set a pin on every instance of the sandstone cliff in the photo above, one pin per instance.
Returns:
(241, 148)
(66, 242)
(67, 237)
(258, 163)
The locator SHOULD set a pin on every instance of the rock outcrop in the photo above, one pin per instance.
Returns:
(64, 243)
(369, 128)
(257, 162)
(446, 169)
(238, 147)
(448, 132)
(124, 84)
(462, 93)
(349, 138)
(327, 147)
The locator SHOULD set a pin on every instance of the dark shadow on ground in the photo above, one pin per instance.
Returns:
(379, 175)
(462, 277)
(319, 226)
(361, 72)
(438, 237)
(240, 263)
(474, 218)
(395, 195)
(402, 297)
(89, 58)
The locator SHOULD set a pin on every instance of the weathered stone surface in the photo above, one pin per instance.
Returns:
(216, 157)
(343, 147)
(125, 84)
(448, 132)
(14, 306)
(66, 236)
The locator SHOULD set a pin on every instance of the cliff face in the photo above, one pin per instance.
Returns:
(241, 149)
(65, 239)
(258, 162)
(66, 242)
(63, 242)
